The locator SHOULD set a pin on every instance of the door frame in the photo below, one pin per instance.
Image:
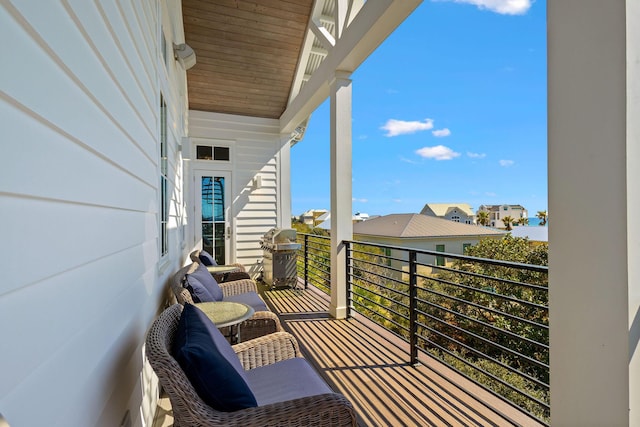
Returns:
(197, 175)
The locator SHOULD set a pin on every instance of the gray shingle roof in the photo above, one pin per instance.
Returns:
(418, 225)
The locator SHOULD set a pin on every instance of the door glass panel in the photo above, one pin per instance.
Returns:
(213, 217)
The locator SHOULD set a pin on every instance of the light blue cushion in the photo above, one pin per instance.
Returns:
(285, 380)
(210, 363)
(250, 298)
(206, 258)
(198, 291)
(206, 279)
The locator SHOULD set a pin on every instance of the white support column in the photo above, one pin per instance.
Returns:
(341, 225)
(594, 187)
(633, 204)
(284, 178)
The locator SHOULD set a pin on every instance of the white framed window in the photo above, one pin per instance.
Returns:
(440, 259)
(164, 182)
(213, 152)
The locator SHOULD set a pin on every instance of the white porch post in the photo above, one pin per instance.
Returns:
(341, 225)
(594, 197)
(284, 178)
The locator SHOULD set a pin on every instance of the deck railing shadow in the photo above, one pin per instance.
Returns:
(370, 366)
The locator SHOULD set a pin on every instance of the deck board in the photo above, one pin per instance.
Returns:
(371, 367)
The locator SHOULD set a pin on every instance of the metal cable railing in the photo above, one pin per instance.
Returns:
(485, 318)
(314, 261)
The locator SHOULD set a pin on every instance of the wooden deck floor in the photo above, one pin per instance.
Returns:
(370, 367)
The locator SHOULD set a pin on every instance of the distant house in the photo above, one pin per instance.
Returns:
(313, 217)
(360, 216)
(420, 231)
(324, 220)
(498, 212)
(456, 212)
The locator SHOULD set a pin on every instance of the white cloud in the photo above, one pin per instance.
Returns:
(439, 133)
(476, 155)
(439, 152)
(400, 127)
(360, 200)
(397, 200)
(490, 194)
(507, 163)
(503, 7)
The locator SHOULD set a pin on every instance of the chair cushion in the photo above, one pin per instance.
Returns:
(206, 279)
(250, 298)
(285, 380)
(210, 363)
(206, 258)
(197, 290)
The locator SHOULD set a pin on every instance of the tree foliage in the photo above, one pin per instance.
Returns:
(486, 312)
(316, 248)
(508, 222)
(482, 217)
(543, 217)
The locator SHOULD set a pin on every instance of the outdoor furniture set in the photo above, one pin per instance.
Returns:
(261, 381)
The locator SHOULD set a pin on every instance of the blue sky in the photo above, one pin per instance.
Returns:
(450, 109)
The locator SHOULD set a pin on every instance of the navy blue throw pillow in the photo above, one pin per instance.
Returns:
(206, 258)
(210, 363)
(199, 293)
(206, 279)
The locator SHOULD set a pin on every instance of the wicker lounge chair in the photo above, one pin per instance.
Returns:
(205, 258)
(327, 409)
(261, 323)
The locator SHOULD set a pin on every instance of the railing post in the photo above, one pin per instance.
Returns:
(413, 307)
(349, 272)
(306, 260)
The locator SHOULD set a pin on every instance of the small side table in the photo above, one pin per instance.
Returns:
(227, 314)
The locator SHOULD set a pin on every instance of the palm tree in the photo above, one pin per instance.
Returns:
(523, 221)
(482, 217)
(542, 216)
(508, 222)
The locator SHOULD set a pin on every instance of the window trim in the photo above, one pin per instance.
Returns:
(211, 142)
(163, 219)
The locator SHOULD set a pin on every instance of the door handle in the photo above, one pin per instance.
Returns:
(228, 233)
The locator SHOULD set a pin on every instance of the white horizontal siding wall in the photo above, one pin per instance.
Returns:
(452, 245)
(256, 144)
(79, 177)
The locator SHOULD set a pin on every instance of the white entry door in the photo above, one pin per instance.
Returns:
(212, 213)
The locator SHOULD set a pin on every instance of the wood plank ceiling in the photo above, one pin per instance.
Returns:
(247, 53)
